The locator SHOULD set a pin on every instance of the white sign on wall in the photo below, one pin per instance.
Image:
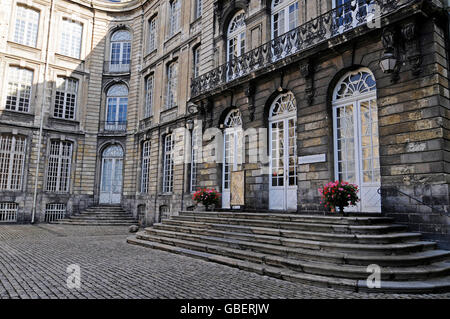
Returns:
(318, 158)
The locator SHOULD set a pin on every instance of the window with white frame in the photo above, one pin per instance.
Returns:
(145, 167)
(54, 212)
(171, 96)
(71, 36)
(116, 108)
(174, 16)
(196, 61)
(195, 152)
(285, 16)
(168, 164)
(12, 161)
(27, 24)
(59, 165)
(152, 34)
(20, 83)
(120, 51)
(236, 36)
(8, 212)
(65, 98)
(198, 9)
(149, 87)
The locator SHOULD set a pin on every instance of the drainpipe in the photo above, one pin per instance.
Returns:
(44, 97)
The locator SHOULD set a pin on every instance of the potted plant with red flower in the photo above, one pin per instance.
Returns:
(339, 195)
(208, 197)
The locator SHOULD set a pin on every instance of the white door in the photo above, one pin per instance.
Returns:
(232, 147)
(111, 177)
(283, 156)
(356, 141)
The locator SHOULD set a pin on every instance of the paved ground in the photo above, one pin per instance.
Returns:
(34, 260)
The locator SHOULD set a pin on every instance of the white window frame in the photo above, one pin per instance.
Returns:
(12, 161)
(122, 62)
(54, 211)
(68, 92)
(145, 167)
(174, 17)
(149, 93)
(8, 212)
(116, 96)
(20, 88)
(168, 164)
(71, 38)
(152, 34)
(236, 39)
(196, 62)
(195, 151)
(172, 79)
(282, 9)
(60, 157)
(26, 25)
(198, 9)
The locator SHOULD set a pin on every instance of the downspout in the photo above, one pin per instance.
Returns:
(38, 162)
(157, 173)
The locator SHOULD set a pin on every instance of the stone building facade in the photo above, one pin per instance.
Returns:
(99, 98)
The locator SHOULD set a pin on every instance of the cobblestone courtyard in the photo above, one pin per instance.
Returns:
(34, 259)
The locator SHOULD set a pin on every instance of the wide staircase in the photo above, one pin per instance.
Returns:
(100, 216)
(331, 251)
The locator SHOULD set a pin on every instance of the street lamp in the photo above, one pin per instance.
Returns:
(388, 62)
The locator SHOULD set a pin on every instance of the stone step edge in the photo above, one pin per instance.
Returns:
(314, 267)
(266, 231)
(333, 227)
(311, 244)
(289, 217)
(290, 275)
(336, 257)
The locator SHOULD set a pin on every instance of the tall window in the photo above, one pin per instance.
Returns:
(284, 16)
(196, 61)
(149, 86)
(168, 164)
(116, 108)
(26, 29)
(120, 51)
(66, 98)
(195, 151)
(236, 36)
(59, 164)
(171, 96)
(19, 89)
(71, 38)
(198, 9)
(174, 16)
(152, 34)
(145, 168)
(12, 161)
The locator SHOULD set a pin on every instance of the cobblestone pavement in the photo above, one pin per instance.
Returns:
(34, 260)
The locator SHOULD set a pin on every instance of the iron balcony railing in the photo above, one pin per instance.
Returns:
(326, 26)
(114, 126)
(117, 66)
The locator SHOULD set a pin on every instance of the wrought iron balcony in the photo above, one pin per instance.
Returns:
(117, 66)
(321, 29)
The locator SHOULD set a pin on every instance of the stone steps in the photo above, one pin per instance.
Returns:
(430, 285)
(100, 216)
(204, 228)
(333, 251)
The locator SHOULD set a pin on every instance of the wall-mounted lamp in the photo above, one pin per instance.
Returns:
(190, 125)
(388, 62)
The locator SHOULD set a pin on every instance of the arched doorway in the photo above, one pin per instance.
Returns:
(283, 153)
(356, 140)
(112, 175)
(232, 152)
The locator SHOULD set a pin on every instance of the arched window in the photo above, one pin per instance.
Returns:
(116, 108)
(112, 175)
(356, 141)
(236, 36)
(285, 16)
(120, 51)
(232, 152)
(283, 153)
